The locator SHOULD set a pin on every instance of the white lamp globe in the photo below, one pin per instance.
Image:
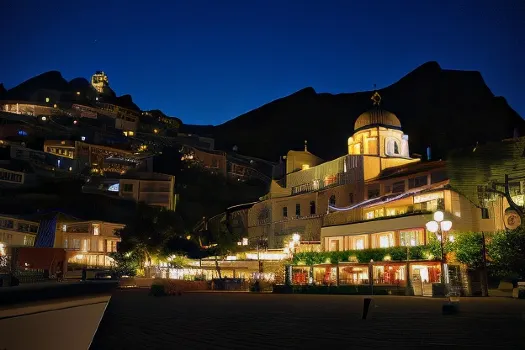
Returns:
(439, 216)
(296, 237)
(446, 225)
(432, 226)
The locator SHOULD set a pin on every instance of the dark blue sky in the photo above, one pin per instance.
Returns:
(209, 61)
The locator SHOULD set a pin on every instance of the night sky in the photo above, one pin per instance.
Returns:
(209, 61)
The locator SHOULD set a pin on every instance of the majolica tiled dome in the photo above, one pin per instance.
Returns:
(377, 117)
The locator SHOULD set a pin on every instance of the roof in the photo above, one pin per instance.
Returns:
(409, 169)
(377, 117)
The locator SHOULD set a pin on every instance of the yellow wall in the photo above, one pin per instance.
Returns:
(296, 159)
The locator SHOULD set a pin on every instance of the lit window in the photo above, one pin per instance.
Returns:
(409, 238)
(370, 215)
(306, 166)
(359, 244)
(96, 230)
(384, 242)
(64, 228)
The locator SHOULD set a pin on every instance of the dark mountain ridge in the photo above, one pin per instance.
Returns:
(54, 81)
(444, 109)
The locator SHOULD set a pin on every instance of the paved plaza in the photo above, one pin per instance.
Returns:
(134, 320)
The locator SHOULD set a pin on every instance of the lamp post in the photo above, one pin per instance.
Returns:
(440, 227)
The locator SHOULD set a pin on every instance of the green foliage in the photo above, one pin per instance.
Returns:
(361, 256)
(434, 246)
(148, 231)
(468, 247)
(507, 253)
(125, 265)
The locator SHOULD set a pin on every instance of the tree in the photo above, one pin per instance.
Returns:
(125, 264)
(223, 241)
(147, 232)
(507, 253)
(468, 247)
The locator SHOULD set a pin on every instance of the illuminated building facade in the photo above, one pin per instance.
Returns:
(297, 203)
(101, 159)
(151, 188)
(100, 82)
(16, 232)
(88, 243)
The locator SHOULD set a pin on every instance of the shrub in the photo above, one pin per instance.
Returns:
(174, 287)
(157, 290)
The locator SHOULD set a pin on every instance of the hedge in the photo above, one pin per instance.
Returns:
(362, 256)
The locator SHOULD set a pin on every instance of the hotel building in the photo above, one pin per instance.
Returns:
(375, 197)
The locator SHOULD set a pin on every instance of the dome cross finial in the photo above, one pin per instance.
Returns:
(305, 145)
(376, 98)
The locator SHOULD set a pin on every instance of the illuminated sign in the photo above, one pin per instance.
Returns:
(114, 188)
(22, 132)
(512, 219)
(427, 197)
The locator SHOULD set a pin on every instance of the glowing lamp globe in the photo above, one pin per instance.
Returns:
(446, 225)
(439, 216)
(432, 226)
(296, 237)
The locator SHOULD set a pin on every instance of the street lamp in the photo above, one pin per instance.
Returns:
(440, 227)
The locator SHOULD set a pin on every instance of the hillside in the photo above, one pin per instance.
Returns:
(53, 81)
(446, 109)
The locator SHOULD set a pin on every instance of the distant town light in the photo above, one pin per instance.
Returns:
(156, 131)
(47, 99)
(75, 122)
(83, 138)
(96, 98)
(55, 105)
(44, 119)
(78, 93)
(70, 168)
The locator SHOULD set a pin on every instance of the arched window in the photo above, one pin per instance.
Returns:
(332, 200)
(312, 207)
(392, 147)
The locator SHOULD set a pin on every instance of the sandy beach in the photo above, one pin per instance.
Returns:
(134, 320)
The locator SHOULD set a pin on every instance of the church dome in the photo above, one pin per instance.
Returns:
(377, 117)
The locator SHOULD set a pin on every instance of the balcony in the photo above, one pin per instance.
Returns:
(357, 215)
